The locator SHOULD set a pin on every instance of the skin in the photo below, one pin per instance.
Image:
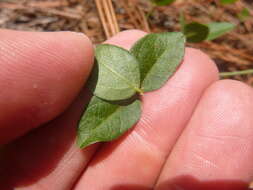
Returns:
(194, 133)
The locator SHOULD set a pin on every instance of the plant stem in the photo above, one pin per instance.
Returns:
(140, 91)
(234, 73)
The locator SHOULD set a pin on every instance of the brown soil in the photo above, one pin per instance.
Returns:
(233, 51)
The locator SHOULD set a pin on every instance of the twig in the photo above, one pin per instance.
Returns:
(131, 16)
(42, 7)
(61, 13)
(114, 19)
(102, 18)
(47, 4)
(107, 17)
(227, 48)
(14, 6)
(40, 4)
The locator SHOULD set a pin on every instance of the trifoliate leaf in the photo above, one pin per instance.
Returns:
(118, 73)
(195, 32)
(104, 121)
(158, 55)
(217, 29)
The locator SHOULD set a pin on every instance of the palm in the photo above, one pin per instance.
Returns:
(189, 137)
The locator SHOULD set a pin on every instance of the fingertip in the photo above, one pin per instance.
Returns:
(232, 85)
(79, 48)
(41, 74)
(203, 62)
(230, 94)
(229, 99)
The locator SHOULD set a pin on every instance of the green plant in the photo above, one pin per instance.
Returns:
(227, 1)
(162, 2)
(196, 32)
(217, 29)
(119, 79)
(244, 14)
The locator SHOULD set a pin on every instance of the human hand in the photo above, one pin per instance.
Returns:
(194, 133)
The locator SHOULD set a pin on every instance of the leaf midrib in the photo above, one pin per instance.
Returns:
(128, 82)
(150, 69)
(147, 73)
(108, 117)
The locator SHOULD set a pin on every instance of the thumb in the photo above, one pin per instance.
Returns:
(40, 75)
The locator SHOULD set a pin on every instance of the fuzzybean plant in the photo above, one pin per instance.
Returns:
(196, 32)
(118, 80)
(120, 77)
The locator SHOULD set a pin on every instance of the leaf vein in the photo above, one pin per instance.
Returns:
(123, 78)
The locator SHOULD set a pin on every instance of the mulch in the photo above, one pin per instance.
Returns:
(233, 51)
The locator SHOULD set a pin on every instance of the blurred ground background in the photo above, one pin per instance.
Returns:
(233, 51)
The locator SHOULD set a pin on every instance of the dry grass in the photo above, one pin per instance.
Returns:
(233, 51)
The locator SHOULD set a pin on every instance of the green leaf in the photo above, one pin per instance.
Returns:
(227, 1)
(217, 29)
(159, 55)
(162, 2)
(196, 32)
(104, 121)
(244, 14)
(118, 73)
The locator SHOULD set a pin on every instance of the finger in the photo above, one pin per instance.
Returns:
(48, 158)
(216, 149)
(135, 160)
(40, 75)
